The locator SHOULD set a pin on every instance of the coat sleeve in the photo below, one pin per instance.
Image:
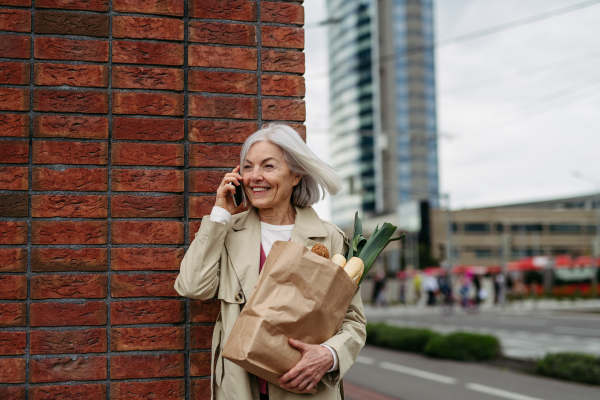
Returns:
(350, 339)
(199, 272)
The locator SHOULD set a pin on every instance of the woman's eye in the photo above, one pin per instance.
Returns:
(247, 168)
(268, 166)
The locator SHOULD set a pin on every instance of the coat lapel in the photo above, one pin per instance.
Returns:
(307, 226)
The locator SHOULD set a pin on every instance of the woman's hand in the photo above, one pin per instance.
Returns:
(316, 361)
(225, 190)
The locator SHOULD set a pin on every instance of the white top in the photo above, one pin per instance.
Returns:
(268, 235)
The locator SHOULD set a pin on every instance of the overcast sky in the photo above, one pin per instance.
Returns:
(517, 110)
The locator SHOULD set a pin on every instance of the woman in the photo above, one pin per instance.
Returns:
(281, 179)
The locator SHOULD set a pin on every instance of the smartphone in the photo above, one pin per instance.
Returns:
(237, 197)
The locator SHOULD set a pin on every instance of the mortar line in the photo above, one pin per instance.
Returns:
(109, 197)
(259, 120)
(186, 189)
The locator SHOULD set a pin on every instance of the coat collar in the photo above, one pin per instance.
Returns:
(243, 242)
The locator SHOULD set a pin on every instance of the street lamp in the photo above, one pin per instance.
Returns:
(596, 244)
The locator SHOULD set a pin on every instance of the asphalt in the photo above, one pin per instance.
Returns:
(386, 375)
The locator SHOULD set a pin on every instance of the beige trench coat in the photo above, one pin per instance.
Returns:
(224, 261)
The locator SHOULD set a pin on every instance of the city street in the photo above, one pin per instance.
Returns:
(525, 332)
(381, 374)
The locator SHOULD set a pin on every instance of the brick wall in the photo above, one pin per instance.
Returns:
(117, 120)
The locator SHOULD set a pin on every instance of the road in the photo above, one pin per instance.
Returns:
(524, 333)
(380, 374)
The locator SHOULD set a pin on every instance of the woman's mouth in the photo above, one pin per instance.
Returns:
(260, 189)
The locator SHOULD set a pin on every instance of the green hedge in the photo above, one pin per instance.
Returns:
(464, 347)
(455, 346)
(575, 367)
(403, 339)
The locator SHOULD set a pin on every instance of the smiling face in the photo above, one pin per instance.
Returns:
(268, 181)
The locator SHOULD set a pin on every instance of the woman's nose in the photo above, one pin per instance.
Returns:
(256, 174)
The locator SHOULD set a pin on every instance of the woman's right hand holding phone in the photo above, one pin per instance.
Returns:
(227, 188)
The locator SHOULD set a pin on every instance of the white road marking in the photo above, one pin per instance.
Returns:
(576, 331)
(365, 360)
(499, 392)
(417, 372)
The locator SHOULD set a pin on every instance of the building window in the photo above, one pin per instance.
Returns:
(565, 228)
(476, 227)
(499, 227)
(483, 253)
(526, 228)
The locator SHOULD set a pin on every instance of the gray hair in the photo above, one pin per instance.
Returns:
(317, 176)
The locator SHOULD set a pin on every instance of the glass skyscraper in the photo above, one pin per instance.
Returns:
(383, 113)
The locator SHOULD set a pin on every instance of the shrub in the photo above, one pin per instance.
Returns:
(464, 347)
(583, 368)
(396, 338)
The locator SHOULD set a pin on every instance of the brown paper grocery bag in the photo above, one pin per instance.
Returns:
(298, 295)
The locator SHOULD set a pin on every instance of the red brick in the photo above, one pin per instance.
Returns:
(147, 232)
(146, 259)
(68, 392)
(14, 178)
(67, 314)
(201, 337)
(71, 102)
(204, 310)
(47, 48)
(69, 232)
(201, 206)
(127, 206)
(282, 85)
(12, 342)
(282, 61)
(69, 206)
(193, 225)
(147, 103)
(13, 287)
(153, 285)
(15, 20)
(15, 125)
(140, 180)
(147, 312)
(210, 32)
(14, 152)
(66, 23)
(12, 392)
(200, 364)
(14, 205)
(223, 107)
(172, 7)
(147, 28)
(200, 389)
(89, 5)
(147, 128)
(69, 286)
(163, 390)
(147, 53)
(239, 10)
(283, 13)
(13, 232)
(70, 74)
(147, 78)
(75, 127)
(14, 99)
(70, 152)
(15, 46)
(12, 370)
(222, 82)
(67, 369)
(281, 36)
(13, 314)
(205, 181)
(58, 260)
(75, 179)
(214, 156)
(147, 154)
(147, 366)
(222, 57)
(14, 73)
(17, 3)
(161, 338)
(56, 342)
(13, 260)
(220, 131)
(277, 110)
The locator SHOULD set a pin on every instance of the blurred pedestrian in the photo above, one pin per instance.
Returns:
(417, 286)
(477, 285)
(378, 298)
(431, 287)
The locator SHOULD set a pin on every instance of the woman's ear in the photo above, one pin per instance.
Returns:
(297, 179)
